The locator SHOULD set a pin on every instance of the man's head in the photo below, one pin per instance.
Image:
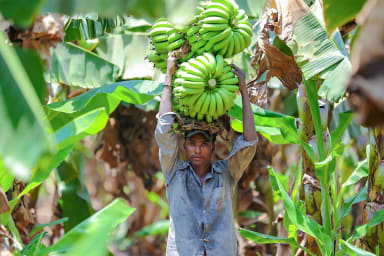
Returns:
(199, 146)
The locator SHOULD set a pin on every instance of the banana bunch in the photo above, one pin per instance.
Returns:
(205, 87)
(159, 60)
(159, 39)
(224, 28)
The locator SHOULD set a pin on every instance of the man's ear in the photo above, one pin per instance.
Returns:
(213, 146)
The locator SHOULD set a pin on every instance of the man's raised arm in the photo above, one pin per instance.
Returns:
(164, 134)
(243, 147)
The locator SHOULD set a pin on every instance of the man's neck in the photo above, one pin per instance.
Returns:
(201, 171)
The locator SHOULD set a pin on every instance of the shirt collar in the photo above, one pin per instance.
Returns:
(184, 165)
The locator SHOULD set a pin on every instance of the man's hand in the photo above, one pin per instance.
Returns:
(241, 75)
(171, 64)
(248, 121)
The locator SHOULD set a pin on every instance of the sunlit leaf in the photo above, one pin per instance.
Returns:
(128, 52)
(339, 12)
(317, 54)
(75, 66)
(353, 250)
(6, 179)
(90, 236)
(360, 172)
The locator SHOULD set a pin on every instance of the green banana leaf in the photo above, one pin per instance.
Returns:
(284, 126)
(24, 136)
(75, 66)
(339, 12)
(268, 239)
(32, 248)
(144, 8)
(90, 236)
(345, 118)
(319, 55)
(128, 52)
(353, 250)
(21, 12)
(74, 202)
(299, 219)
(157, 228)
(6, 179)
(361, 231)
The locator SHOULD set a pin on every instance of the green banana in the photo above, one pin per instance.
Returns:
(193, 39)
(190, 100)
(161, 47)
(197, 64)
(211, 62)
(193, 30)
(224, 97)
(221, 36)
(236, 44)
(213, 20)
(212, 105)
(204, 108)
(160, 38)
(153, 57)
(229, 52)
(192, 78)
(246, 28)
(225, 76)
(222, 46)
(245, 36)
(175, 36)
(193, 84)
(219, 6)
(207, 36)
(219, 65)
(197, 106)
(197, 45)
(184, 90)
(213, 27)
(175, 45)
(230, 81)
(219, 103)
(158, 31)
(161, 65)
(231, 88)
(194, 71)
(214, 11)
(204, 62)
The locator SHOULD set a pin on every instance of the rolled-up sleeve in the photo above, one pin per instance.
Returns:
(167, 141)
(240, 156)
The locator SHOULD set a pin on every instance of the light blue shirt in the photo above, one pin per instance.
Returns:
(201, 215)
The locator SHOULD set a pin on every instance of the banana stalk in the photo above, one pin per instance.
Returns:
(375, 201)
(310, 191)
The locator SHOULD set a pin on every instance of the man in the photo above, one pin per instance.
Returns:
(200, 192)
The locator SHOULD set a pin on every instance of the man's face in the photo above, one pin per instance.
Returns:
(199, 150)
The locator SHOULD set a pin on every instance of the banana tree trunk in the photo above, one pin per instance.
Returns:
(310, 190)
(375, 236)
